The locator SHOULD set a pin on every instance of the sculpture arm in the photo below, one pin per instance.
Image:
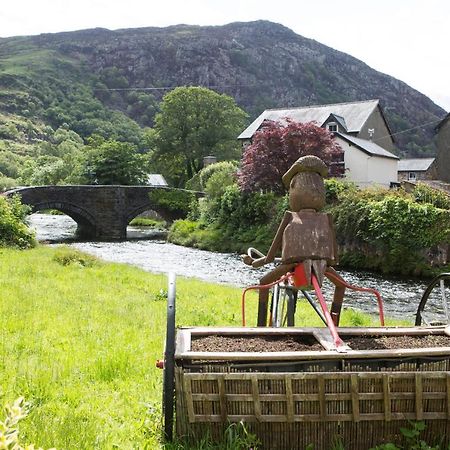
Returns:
(276, 243)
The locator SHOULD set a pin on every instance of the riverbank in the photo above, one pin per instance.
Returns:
(80, 338)
(384, 231)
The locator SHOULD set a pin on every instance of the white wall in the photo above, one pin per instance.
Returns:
(364, 169)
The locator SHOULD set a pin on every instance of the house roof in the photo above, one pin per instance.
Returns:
(156, 179)
(368, 147)
(439, 125)
(415, 164)
(355, 114)
(340, 120)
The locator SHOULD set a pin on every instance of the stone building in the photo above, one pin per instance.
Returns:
(415, 169)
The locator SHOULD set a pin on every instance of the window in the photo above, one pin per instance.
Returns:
(332, 126)
(411, 176)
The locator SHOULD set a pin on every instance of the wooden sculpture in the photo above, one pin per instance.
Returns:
(305, 234)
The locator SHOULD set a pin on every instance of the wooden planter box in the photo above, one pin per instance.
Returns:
(292, 399)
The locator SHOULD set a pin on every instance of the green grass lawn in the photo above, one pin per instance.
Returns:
(79, 340)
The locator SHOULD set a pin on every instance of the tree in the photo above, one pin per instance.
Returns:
(195, 122)
(112, 162)
(276, 147)
(13, 229)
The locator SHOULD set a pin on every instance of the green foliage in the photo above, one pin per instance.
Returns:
(391, 226)
(175, 201)
(232, 222)
(426, 194)
(412, 439)
(150, 223)
(7, 183)
(112, 162)
(65, 256)
(195, 122)
(13, 230)
(214, 180)
(237, 436)
(239, 209)
(223, 174)
(335, 187)
(9, 428)
(219, 180)
(9, 164)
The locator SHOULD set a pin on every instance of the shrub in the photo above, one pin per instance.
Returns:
(7, 183)
(334, 188)
(426, 194)
(389, 228)
(177, 202)
(66, 256)
(181, 232)
(13, 229)
(219, 180)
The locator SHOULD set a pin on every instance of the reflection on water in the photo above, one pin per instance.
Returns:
(401, 296)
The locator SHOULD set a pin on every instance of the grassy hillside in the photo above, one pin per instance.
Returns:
(82, 79)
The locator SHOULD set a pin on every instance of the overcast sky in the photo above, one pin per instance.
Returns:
(408, 39)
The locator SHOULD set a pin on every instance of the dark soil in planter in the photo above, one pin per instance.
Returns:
(255, 344)
(395, 342)
(262, 344)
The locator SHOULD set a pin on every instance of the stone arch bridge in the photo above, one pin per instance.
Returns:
(101, 212)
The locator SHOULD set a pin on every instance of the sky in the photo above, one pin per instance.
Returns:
(407, 39)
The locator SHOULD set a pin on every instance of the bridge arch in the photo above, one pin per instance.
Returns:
(163, 212)
(85, 220)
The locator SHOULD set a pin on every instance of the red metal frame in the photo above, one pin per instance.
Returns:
(332, 276)
(260, 286)
(340, 346)
(330, 324)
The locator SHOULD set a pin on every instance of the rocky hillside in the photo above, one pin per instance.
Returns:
(84, 79)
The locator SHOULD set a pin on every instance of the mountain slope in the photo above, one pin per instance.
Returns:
(67, 77)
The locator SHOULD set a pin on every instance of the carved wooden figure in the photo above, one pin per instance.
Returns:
(305, 234)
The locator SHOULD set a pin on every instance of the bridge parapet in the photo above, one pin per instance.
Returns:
(101, 212)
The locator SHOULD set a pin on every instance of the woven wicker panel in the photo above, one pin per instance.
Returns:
(315, 397)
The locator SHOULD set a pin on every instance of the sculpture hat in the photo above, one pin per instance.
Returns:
(308, 163)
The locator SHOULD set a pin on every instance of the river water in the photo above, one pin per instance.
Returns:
(401, 296)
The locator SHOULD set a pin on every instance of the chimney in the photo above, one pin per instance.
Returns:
(208, 160)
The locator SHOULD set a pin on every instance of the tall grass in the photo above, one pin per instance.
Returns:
(79, 339)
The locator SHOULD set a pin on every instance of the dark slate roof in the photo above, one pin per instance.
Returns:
(415, 164)
(368, 147)
(340, 120)
(355, 114)
(439, 125)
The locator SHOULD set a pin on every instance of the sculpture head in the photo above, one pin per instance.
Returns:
(304, 180)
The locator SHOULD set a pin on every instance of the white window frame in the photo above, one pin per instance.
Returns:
(333, 125)
(412, 176)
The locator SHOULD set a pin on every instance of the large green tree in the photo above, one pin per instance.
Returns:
(195, 122)
(112, 162)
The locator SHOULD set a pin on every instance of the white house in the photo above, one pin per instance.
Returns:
(361, 130)
(367, 163)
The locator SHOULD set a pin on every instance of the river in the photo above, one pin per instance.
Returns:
(401, 296)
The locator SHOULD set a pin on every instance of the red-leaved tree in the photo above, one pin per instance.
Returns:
(277, 146)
